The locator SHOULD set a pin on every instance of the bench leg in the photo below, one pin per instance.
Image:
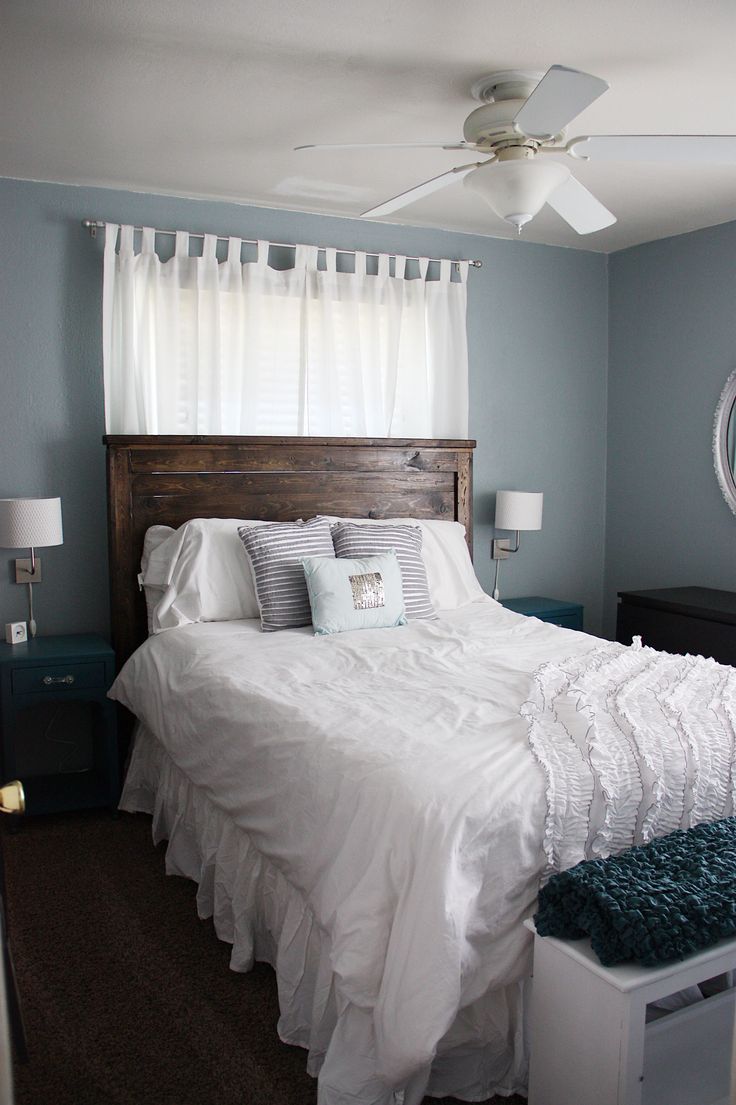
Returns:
(587, 1037)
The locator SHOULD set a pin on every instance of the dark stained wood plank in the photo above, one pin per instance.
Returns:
(465, 495)
(177, 509)
(293, 459)
(124, 549)
(313, 484)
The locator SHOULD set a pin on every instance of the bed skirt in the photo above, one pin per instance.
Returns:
(254, 908)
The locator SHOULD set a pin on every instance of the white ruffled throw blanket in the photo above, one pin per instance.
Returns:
(656, 754)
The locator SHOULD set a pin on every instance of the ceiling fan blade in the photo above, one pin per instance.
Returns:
(695, 149)
(580, 208)
(558, 98)
(425, 189)
(389, 146)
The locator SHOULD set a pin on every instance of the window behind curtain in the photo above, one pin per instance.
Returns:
(201, 346)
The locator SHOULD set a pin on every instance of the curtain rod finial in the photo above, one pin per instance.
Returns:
(92, 225)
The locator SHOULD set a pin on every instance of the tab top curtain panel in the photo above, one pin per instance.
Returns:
(197, 345)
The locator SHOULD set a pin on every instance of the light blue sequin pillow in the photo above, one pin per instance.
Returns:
(363, 593)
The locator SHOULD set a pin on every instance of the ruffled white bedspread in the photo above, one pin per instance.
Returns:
(251, 904)
(255, 909)
(654, 752)
(364, 811)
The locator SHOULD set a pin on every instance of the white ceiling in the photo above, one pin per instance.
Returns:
(207, 98)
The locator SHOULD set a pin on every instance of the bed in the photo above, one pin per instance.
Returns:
(373, 812)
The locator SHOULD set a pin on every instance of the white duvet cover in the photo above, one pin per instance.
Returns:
(387, 775)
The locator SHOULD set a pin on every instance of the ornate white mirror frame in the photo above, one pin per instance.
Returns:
(723, 462)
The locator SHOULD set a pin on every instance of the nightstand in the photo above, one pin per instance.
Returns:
(57, 725)
(567, 614)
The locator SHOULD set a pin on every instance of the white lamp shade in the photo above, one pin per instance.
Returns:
(517, 190)
(30, 523)
(519, 509)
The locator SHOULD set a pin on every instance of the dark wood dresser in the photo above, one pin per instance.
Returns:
(699, 620)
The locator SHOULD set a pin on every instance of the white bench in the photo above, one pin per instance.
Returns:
(592, 1045)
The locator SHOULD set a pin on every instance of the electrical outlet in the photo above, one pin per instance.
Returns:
(23, 572)
(16, 632)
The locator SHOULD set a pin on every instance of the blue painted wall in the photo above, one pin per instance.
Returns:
(672, 346)
(537, 326)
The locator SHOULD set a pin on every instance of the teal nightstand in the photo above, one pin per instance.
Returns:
(57, 725)
(567, 614)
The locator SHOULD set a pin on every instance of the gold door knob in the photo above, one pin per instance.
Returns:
(12, 798)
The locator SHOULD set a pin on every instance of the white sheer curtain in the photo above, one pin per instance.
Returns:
(201, 346)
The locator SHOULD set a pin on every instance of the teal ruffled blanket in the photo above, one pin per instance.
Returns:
(653, 903)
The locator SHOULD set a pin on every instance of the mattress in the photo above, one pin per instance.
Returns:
(382, 784)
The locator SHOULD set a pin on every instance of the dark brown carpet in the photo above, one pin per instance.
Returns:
(127, 997)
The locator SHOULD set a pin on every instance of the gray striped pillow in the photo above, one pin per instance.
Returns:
(353, 540)
(275, 553)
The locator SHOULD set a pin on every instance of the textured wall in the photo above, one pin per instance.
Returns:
(537, 323)
(672, 346)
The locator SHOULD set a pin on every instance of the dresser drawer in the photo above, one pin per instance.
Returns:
(56, 677)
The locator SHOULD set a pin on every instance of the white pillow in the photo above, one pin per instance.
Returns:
(450, 572)
(452, 581)
(154, 536)
(202, 573)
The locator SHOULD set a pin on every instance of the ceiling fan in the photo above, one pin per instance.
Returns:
(522, 118)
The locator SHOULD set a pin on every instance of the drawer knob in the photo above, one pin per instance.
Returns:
(12, 798)
(49, 680)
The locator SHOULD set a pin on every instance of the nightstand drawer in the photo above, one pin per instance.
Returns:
(57, 677)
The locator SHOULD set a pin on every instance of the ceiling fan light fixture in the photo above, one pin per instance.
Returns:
(517, 190)
(519, 220)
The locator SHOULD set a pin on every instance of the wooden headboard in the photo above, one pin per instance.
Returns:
(168, 480)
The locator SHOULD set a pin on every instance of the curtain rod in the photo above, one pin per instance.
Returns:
(93, 225)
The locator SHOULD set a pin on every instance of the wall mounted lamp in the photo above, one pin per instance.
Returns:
(515, 510)
(30, 524)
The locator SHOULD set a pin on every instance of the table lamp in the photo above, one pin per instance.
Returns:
(30, 524)
(515, 510)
